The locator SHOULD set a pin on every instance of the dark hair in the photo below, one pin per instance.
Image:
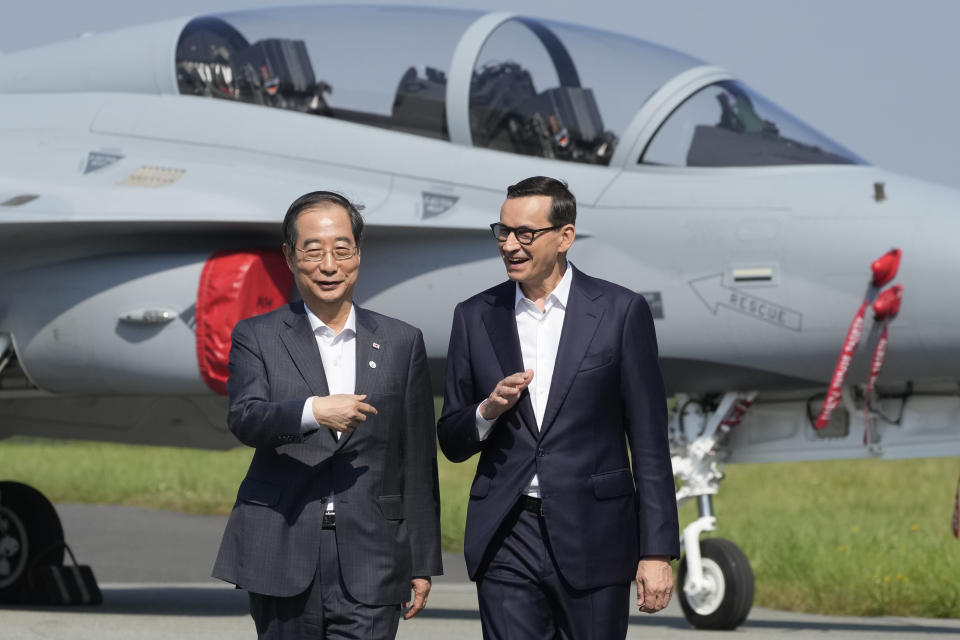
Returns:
(563, 208)
(316, 200)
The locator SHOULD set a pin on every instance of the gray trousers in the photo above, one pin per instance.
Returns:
(325, 610)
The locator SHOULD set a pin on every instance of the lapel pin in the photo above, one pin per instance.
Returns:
(373, 365)
(376, 345)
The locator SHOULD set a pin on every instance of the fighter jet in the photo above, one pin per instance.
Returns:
(144, 173)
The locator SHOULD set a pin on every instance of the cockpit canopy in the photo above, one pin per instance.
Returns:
(536, 87)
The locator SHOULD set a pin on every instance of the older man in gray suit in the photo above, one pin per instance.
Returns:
(338, 516)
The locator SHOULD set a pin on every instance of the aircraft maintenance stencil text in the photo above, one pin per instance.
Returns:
(715, 294)
(764, 310)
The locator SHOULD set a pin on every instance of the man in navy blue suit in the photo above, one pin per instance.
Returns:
(552, 376)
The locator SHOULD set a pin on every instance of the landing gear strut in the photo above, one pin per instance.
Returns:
(29, 526)
(716, 582)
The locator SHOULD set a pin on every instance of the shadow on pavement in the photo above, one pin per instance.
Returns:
(203, 600)
(660, 620)
(173, 601)
(449, 614)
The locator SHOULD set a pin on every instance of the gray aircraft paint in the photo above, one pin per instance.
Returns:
(97, 250)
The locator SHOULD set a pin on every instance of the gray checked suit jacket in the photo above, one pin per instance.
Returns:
(383, 475)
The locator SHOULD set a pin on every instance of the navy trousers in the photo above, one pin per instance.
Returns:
(523, 596)
(325, 611)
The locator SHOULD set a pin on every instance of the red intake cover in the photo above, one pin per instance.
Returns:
(235, 285)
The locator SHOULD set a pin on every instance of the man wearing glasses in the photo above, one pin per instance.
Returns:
(338, 516)
(553, 378)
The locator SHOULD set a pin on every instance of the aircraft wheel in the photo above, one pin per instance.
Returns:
(29, 526)
(727, 601)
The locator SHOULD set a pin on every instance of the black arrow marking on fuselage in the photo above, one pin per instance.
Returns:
(711, 290)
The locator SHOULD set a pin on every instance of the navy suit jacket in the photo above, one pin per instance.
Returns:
(383, 475)
(606, 406)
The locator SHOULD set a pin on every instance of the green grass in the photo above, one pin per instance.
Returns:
(861, 537)
(189, 480)
(864, 537)
(455, 480)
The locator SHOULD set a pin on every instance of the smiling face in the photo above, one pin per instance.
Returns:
(542, 262)
(325, 286)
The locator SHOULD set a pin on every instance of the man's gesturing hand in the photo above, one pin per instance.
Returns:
(341, 412)
(421, 589)
(505, 394)
(654, 583)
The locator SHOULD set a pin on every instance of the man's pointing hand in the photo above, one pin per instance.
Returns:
(505, 395)
(341, 412)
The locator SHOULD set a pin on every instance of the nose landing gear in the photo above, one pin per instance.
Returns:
(716, 581)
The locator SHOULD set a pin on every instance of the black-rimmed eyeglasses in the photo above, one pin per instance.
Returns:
(524, 235)
(339, 254)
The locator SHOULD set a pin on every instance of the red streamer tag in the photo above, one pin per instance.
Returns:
(885, 308)
(879, 353)
(884, 270)
(834, 392)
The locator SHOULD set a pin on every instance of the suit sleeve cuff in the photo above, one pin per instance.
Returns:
(308, 423)
(484, 426)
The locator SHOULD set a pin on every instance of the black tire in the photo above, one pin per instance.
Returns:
(728, 605)
(29, 526)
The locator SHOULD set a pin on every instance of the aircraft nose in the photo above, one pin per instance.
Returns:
(930, 275)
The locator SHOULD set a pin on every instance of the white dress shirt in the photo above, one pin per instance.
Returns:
(338, 353)
(539, 341)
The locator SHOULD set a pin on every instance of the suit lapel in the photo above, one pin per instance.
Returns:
(367, 378)
(301, 343)
(580, 322)
(298, 338)
(501, 324)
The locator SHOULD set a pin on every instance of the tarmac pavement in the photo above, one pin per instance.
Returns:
(154, 567)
